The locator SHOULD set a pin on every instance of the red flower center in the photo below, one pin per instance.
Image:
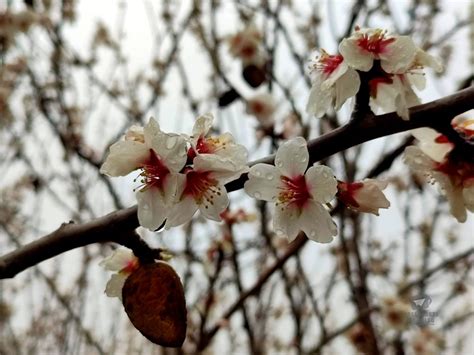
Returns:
(460, 173)
(295, 191)
(154, 172)
(375, 43)
(346, 193)
(201, 187)
(327, 64)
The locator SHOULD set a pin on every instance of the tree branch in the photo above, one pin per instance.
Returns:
(114, 226)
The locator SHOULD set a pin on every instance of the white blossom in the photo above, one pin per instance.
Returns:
(395, 53)
(364, 196)
(333, 82)
(299, 197)
(202, 188)
(222, 145)
(159, 157)
(123, 262)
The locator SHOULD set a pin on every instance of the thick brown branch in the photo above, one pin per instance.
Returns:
(113, 226)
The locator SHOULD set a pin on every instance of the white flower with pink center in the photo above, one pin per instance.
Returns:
(333, 82)
(159, 157)
(394, 92)
(202, 188)
(395, 53)
(222, 145)
(455, 177)
(123, 262)
(300, 196)
(363, 196)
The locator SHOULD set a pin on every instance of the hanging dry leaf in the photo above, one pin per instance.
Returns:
(153, 298)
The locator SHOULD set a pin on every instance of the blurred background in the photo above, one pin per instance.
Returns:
(75, 74)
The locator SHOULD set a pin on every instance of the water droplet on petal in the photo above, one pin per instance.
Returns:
(258, 173)
(278, 163)
(270, 177)
(257, 194)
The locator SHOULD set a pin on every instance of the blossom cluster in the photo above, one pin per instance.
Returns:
(390, 65)
(434, 158)
(178, 174)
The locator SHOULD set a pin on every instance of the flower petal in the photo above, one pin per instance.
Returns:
(114, 285)
(224, 170)
(346, 87)
(317, 223)
(263, 182)
(454, 195)
(335, 75)
(286, 221)
(321, 183)
(202, 125)
(124, 157)
(427, 143)
(182, 212)
(151, 130)
(468, 194)
(354, 55)
(319, 101)
(171, 148)
(370, 197)
(152, 209)
(118, 260)
(418, 161)
(292, 157)
(216, 206)
(399, 55)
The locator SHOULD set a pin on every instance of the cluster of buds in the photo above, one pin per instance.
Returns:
(386, 65)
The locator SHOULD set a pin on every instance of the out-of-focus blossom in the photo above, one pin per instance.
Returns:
(363, 196)
(123, 262)
(291, 127)
(395, 53)
(427, 341)
(360, 337)
(395, 312)
(246, 45)
(262, 106)
(159, 157)
(333, 82)
(299, 195)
